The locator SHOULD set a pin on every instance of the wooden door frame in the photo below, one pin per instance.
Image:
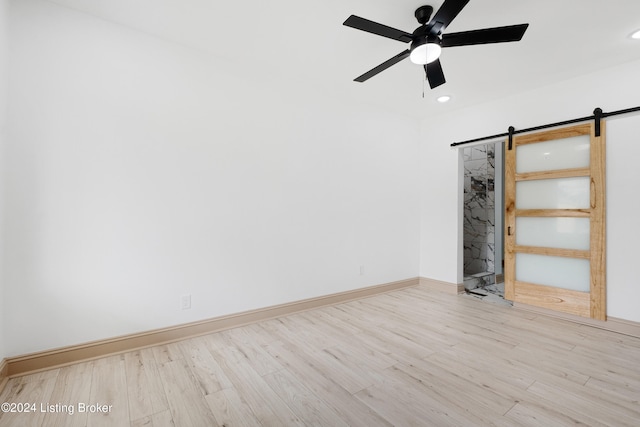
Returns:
(587, 304)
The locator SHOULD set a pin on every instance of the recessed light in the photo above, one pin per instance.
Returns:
(636, 35)
(444, 98)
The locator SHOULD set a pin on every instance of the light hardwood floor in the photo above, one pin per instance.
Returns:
(412, 357)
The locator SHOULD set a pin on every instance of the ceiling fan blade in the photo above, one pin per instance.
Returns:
(380, 68)
(435, 75)
(379, 29)
(511, 33)
(447, 13)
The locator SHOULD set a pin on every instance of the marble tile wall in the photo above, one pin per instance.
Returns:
(479, 209)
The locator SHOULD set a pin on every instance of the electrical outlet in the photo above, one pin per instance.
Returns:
(185, 302)
(362, 270)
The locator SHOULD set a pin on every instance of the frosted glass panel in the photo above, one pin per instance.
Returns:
(565, 153)
(566, 273)
(563, 193)
(563, 233)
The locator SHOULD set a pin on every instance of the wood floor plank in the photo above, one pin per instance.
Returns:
(453, 387)
(408, 412)
(559, 364)
(8, 394)
(499, 384)
(186, 401)
(330, 360)
(350, 375)
(434, 337)
(623, 406)
(614, 356)
(155, 391)
(618, 387)
(262, 362)
(331, 323)
(353, 411)
(230, 409)
(167, 353)
(161, 419)
(32, 392)
(281, 331)
(142, 422)
(590, 411)
(73, 385)
(319, 334)
(522, 361)
(403, 403)
(537, 415)
(302, 401)
(248, 336)
(513, 329)
(268, 408)
(39, 376)
(397, 342)
(207, 372)
(458, 358)
(138, 387)
(362, 355)
(108, 403)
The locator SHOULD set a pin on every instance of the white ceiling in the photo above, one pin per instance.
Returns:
(306, 41)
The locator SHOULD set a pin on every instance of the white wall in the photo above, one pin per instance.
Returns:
(623, 227)
(139, 170)
(612, 89)
(4, 6)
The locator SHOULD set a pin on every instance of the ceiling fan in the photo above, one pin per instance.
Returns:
(427, 40)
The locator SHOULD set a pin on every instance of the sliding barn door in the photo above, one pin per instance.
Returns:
(555, 220)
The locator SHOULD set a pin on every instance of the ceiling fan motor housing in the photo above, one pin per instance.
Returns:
(424, 39)
(423, 14)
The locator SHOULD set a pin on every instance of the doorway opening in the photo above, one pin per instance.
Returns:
(484, 221)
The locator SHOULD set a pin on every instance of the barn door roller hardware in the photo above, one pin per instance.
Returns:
(597, 117)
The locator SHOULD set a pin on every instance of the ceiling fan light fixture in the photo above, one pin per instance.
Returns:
(425, 51)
